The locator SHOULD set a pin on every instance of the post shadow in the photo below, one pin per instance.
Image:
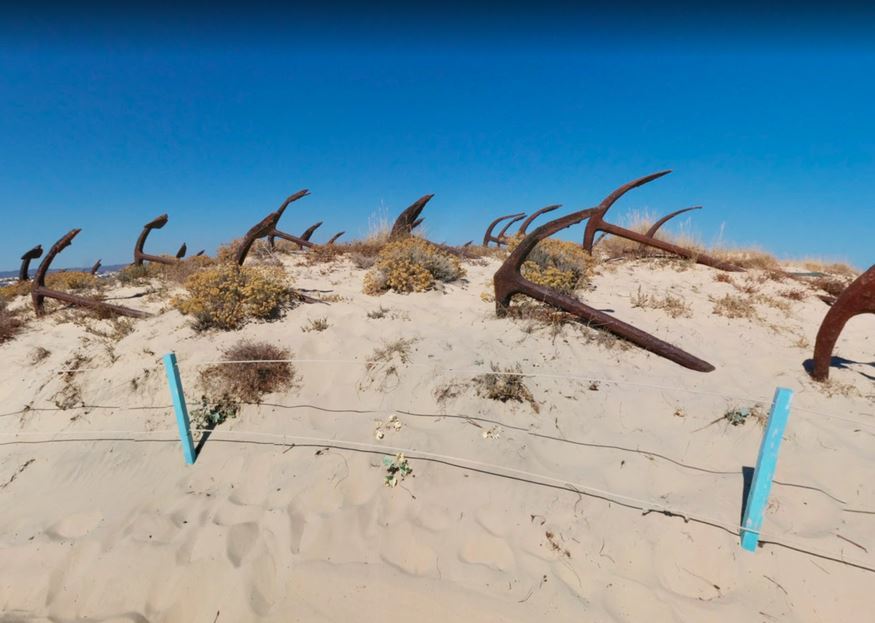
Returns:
(747, 478)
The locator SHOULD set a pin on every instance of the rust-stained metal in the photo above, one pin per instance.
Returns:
(407, 220)
(857, 298)
(334, 238)
(95, 267)
(597, 223)
(488, 237)
(140, 256)
(417, 223)
(181, 252)
(309, 231)
(199, 253)
(502, 235)
(655, 227)
(651, 232)
(267, 227)
(32, 254)
(508, 281)
(305, 236)
(39, 291)
(533, 216)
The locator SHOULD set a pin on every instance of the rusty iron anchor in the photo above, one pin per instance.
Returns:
(522, 230)
(267, 227)
(857, 298)
(498, 240)
(140, 256)
(305, 236)
(597, 223)
(334, 238)
(32, 254)
(651, 232)
(39, 291)
(409, 219)
(508, 280)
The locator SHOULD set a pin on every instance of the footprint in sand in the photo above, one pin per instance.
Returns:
(241, 539)
(490, 551)
(264, 584)
(76, 525)
(404, 549)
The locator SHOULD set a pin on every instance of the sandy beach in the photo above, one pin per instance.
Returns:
(615, 495)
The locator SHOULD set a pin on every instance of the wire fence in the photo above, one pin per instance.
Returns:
(646, 506)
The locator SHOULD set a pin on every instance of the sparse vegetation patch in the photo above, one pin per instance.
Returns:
(734, 306)
(10, 322)
(247, 382)
(411, 265)
(227, 295)
(673, 305)
(505, 385)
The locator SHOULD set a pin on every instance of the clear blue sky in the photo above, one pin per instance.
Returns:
(768, 123)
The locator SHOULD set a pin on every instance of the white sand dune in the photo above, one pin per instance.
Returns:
(107, 523)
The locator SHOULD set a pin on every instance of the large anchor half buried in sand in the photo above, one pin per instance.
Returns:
(39, 291)
(140, 256)
(508, 281)
(597, 223)
(857, 298)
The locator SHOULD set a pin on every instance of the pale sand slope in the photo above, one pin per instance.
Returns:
(112, 530)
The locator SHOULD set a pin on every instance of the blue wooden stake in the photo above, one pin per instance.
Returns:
(758, 496)
(179, 407)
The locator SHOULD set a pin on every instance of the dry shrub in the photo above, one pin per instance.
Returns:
(360, 260)
(227, 295)
(19, 288)
(10, 323)
(323, 254)
(317, 324)
(260, 250)
(505, 385)
(831, 285)
(734, 306)
(674, 306)
(794, 294)
(134, 275)
(72, 280)
(411, 265)
(38, 354)
(557, 264)
(248, 382)
(179, 272)
(383, 365)
(747, 258)
(830, 268)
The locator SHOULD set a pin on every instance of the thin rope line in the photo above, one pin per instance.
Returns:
(473, 369)
(643, 505)
(422, 454)
(89, 432)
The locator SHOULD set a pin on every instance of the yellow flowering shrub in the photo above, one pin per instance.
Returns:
(19, 288)
(71, 280)
(411, 265)
(557, 264)
(225, 296)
